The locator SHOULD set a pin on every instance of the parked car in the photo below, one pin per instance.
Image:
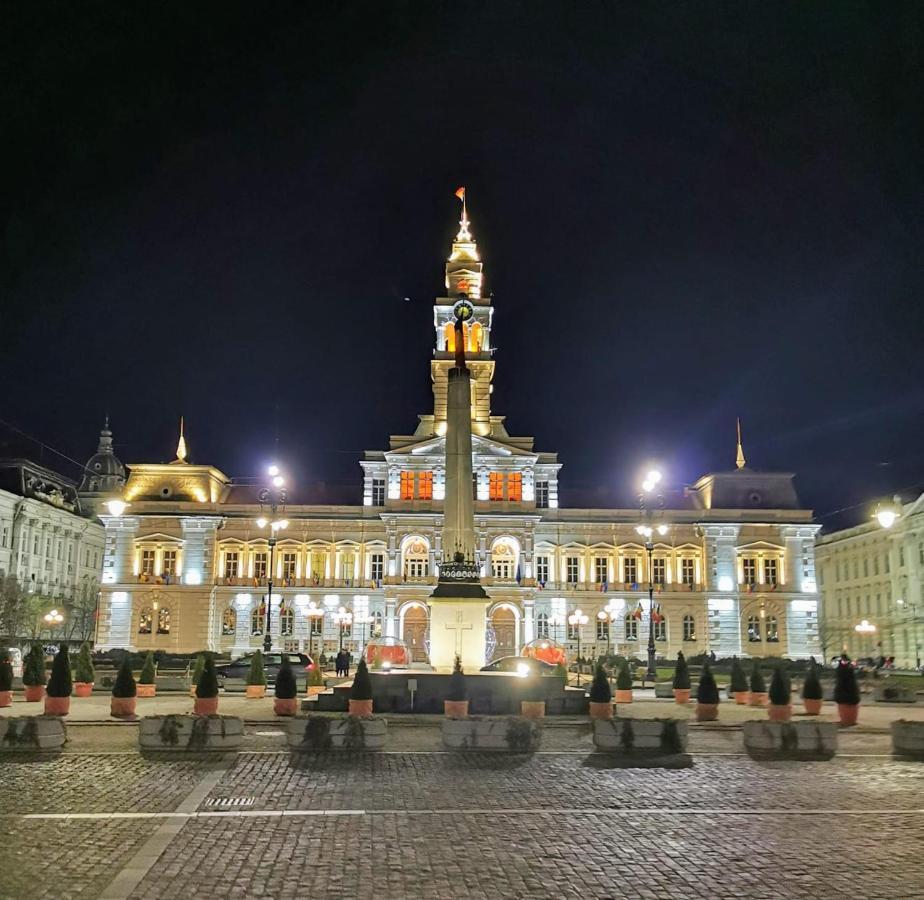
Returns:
(301, 664)
(519, 665)
(15, 655)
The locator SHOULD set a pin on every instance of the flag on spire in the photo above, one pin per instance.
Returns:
(460, 193)
(739, 460)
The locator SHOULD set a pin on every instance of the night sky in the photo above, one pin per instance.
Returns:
(687, 212)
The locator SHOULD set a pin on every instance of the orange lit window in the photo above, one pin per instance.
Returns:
(514, 486)
(407, 485)
(474, 340)
(424, 485)
(450, 332)
(495, 486)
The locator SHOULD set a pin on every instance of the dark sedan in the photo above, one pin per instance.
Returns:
(301, 664)
(519, 665)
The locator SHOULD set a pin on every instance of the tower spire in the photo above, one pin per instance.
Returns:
(464, 266)
(181, 445)
(739, 460)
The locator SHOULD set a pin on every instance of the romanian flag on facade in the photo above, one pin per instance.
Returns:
(460, 193)
(637, 614)
(656, 615)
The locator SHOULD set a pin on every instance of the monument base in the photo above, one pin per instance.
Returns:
(458, 626)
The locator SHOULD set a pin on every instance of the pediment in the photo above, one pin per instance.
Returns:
(481, 446)
(760, 545)
(158, 537)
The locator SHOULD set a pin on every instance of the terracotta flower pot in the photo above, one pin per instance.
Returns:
(707, 712)
(255, 691)
(623, 696)
(848, 713)
(812, 707)
(122, 707)
(532, 709)
(779, 713)
(742, 698)
(758, 699)
(315, 689)
(455, 709)
(285, 707)
(681, 695)
(57, 706)
(601, 710)
(6, 698)
(205, 706)
(83, 688)
(361, 708)
(33, 692)
(147, 690)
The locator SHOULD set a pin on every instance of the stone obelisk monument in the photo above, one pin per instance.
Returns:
(459, 604)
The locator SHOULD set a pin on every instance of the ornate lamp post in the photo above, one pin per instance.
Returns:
(556, 620)
(864, 627)
(53, 619)
(647, 530)
(608, 614)
(578, 619)
(273, 497)
(314, 613)
(342, 618)
(363, 621)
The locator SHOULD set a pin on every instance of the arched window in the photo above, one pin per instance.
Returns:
(631, 627)
(603, 629)
(416, 560)
(286, 621)
(377, 623)
(449, 331)
(754, 629)
(689, 628)
(163, 620)
(145, 621)
(229, 621)
(475, 338)
(660, 630)
(542, 625)
(502, 561)
(257, 618)
(773, 631)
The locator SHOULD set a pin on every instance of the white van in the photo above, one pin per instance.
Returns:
(15, 655)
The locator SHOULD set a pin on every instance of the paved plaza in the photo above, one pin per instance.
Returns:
(100, 820)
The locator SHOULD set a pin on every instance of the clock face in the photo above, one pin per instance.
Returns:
(463, 310)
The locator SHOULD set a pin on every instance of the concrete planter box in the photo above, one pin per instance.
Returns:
(191, 733)
(893, 693)
(649, 736)
(316, 733)
(514, 734)
(908, 738)
(31, 733)
(664, 690)
(791, 740)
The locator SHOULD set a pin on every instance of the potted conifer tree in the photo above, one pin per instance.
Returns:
(601, 698)
(758, 687)
(84, 673)
(455, 706)
(707, 696)
(811, 690)
(198, 668)
(60, 685)
(316, 684)
(739, 683)
(681, 680)
(286, 700)
(361, 692)
(147, 680)
(780, 695)
(33, 674)
(6, 681)
(122, 704)
(256, 677)
(846, 692)
(623, 683)
(206, 702)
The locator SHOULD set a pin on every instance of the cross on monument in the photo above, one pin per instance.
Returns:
(458, 628)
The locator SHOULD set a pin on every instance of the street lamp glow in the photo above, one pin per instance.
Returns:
(261, 522)
(278, 481)
(864, 628)
(888, 512)
(116, 507)
(273, 471)
(654, 476)
(522, 670)
(663, 529)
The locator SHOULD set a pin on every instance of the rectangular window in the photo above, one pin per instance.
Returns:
(424, 485)
(474, 485)
(317, 625)
(630, 570)
(147, 562)
(416, 568)
(601, 569)
(876, 565)
(542, 569)
(169, 567)
(687, 571)
(378, 491)
(901, 556)
(502, 568)
(495, 486)
(377, 567)
(603, 629)
(288, 566)
(347, 565)
(689, 628)
(865, 567)
(542, 494)
(407, 485)
(259, 566)
(515, 486)
(631, 628)
(658, 570)
(6, 535)
(887, 563)
(573, 631)
(660, 630)
(770, 572)
(572, 567)
(231, 561)
(318, 567)
(749, 568)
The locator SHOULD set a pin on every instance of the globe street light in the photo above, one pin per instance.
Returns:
(363, 621)
(647, 530)
(341, 618)
(52, 620)
(888, 511)
(314, 613)
(864, 627)
(556, 620)
(577, 618)
(274, 497)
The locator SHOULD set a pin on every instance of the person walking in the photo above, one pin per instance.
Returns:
(346, 663)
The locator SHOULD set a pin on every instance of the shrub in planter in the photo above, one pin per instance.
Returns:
(256, 677)
(6, 681)
(811, 690)
(456, 703)
(198, 668)
(601, 697)
(33, 674)
(758, 687)
(739, 683)
(122, 704)
(532, 706)
(147, 680)
(561, 671)
(84, 674)
(322, 660)
(623, 683)
(285, 702)
(60, 685)
(846, 692)
(361, 692)
(206, 702)
(707, 697)
(780, 694)
(681, 681)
